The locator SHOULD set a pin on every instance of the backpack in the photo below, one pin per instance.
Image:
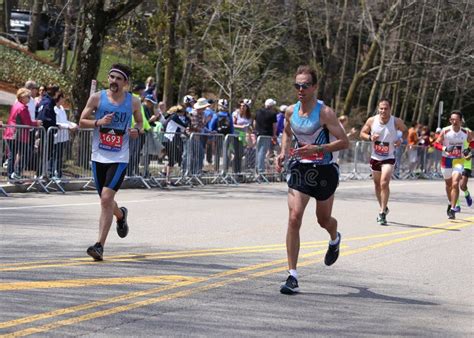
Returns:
(223, 124)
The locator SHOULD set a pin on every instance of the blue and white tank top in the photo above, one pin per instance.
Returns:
(110, 142)
(383, 148)
(308, 130)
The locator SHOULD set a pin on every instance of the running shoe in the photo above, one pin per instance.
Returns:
(451, 214)
(449, 209)
(333, 252)
(14, 177)
(96, 251)
(381, 219)
(122, 225)
(386, 211)
(290, 287)
(457, 208)
(468, 199)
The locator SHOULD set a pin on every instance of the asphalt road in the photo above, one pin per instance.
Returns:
(209, 262)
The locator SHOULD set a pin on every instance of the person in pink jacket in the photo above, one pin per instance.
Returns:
(18, 140)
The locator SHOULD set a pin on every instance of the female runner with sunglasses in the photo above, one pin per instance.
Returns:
(312, 168)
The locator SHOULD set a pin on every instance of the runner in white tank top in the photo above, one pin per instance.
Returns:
(385, 132)
(383, 148)
(451, 141)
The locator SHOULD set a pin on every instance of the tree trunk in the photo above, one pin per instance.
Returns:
(34, 27)
(375, 85)
(91, 40)
(343, 69)
(66, 37)
(432, 112)
(172, 11)
(332, 64)
(5, 9)
(189, 46)
(75, 47)
(420, 98)
(406, 99)
(363, 71)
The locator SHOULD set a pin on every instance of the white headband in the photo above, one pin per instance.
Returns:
(121, 72)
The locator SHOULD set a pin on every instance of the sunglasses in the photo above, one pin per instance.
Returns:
(302, 85)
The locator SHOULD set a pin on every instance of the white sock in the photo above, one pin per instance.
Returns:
(293, 273)
(334, 242)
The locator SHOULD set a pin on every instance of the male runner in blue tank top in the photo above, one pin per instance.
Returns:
(312, 169)
(113, 109)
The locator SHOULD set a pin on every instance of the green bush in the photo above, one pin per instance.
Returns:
(17, 67)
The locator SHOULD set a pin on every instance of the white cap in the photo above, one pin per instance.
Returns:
(270, 103)
(247, 102)
(283, 107)
(223, 103)
(438, 130)
(188, 99)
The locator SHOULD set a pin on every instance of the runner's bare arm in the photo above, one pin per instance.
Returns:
(137, 115)
(286, 138)
(286, 135)
(365, 131)
(329, 118)
(86, 120)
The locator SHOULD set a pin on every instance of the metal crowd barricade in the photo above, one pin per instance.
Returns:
(346, 161)
(196, 171)
(233, 156)
(362, 159)
(78, 160)
(167, 166)
(23, 160)
(137, 166)
(3, 173)
(154, 153)
(241, 163)
(67, 158)
(418, 161)
(216, 150)
(265, 157)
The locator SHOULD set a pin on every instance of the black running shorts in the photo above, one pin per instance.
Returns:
(318, 181)
(467, 172)
(108, 175)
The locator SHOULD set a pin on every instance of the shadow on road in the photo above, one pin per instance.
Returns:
(406, 225)
(365, 293)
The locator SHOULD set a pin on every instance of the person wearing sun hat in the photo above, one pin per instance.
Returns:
(198, 125)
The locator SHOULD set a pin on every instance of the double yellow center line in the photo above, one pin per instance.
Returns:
(189, 285)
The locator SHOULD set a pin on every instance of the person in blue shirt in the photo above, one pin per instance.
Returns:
(222, 122)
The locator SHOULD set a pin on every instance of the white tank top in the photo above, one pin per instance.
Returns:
(456, 139)
(383, 148)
